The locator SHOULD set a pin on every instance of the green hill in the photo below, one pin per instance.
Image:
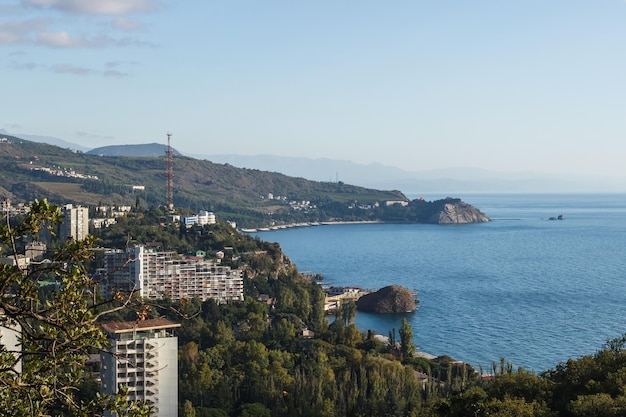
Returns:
(30, 170)
(147, 150)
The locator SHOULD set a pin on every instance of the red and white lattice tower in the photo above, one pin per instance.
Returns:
(169, 174)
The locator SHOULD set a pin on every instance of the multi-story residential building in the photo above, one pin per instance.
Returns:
(206, 217)
(75, 223)
(202, 218)
(155, 274)
(189, 220)
(143, 355)
(13, 210)
(102, 222)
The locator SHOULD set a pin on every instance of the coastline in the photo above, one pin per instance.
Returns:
(312, 224)
(354, 222)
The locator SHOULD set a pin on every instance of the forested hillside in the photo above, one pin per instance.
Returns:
(251, 198)
(273, 354)
(253, 358)
(31, 170)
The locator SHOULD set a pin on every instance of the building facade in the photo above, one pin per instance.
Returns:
(75, 222)
(155, 275)
(143, 355)
(206, 217)
(10, 336)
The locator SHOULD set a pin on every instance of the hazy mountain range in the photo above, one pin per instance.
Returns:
(453, 180)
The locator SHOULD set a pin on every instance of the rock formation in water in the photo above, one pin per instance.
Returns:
(391, 299)
(453, 210)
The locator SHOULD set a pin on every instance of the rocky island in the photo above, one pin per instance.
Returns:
(453, 210)
(390, 299)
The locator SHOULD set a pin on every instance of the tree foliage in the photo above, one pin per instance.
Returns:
(407, 345)
(56, 329)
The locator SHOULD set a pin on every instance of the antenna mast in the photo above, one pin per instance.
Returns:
(169, 174)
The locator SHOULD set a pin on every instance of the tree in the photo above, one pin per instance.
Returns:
(348, 312)
(407, 347)
(188, 410)
(254, 410)
(56, 329)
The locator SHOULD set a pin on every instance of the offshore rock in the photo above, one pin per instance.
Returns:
(453, 211)
(391, 299)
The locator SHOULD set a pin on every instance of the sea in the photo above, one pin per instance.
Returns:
(522, 287)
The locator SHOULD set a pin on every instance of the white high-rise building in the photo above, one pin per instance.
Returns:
(75, 223)
(156, 274)
(143, 356)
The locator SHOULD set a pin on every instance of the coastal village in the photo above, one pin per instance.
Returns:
(153, 273)
(146, 268)
(254, 335)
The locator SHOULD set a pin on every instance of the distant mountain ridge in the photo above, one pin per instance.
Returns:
(378, 176)
(452, 180)
(46, 139)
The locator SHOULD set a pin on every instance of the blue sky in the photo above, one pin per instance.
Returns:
(525, 85)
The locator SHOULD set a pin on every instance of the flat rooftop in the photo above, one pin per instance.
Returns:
(131, 326)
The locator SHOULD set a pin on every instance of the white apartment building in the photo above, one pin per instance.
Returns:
(143, 356)
(202, 218)
(157, 274)
(75, 223)
(206, 217)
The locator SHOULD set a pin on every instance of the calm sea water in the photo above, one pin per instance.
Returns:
(533, 291)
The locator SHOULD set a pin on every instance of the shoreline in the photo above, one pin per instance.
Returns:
(311, 224)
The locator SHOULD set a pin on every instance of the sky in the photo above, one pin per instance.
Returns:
(511, 86)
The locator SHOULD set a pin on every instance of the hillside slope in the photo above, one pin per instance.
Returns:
(154, 150)
(31, 170)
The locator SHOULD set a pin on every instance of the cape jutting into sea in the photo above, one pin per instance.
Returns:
(524, 288)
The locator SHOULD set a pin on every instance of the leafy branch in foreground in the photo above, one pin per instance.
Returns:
(48, 314)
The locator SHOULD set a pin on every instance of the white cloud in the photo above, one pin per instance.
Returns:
(60, 40)
(25, 66)
(9, 38)
(57, 32)
(99, 7)
(114, 73)
(20, 31)
(71, 69)
(91, 135)
(123, 23)
(65, 40)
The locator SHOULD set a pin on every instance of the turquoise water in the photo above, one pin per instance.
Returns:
(533, 291)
